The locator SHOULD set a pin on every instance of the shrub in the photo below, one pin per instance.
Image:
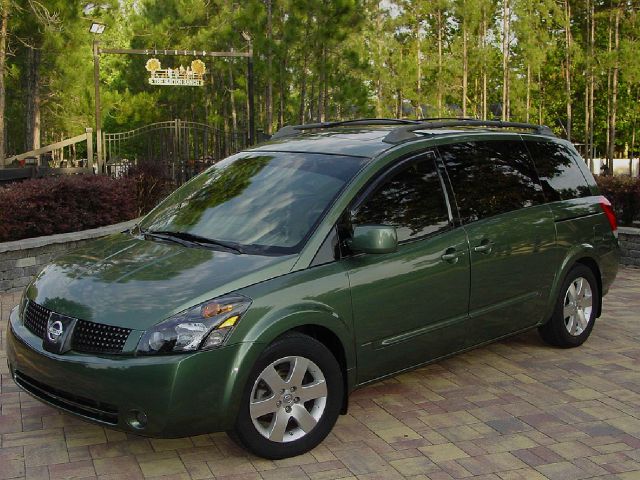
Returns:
(62, 204)
(624, 195)
(152, 184)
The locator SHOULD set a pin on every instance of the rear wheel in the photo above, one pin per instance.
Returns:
(575, 311)
(292, 399)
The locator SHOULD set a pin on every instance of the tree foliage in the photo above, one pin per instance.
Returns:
(571, 64)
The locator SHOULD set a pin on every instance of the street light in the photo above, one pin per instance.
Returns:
(97, 28)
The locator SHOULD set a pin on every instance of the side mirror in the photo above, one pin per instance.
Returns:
(374, 239)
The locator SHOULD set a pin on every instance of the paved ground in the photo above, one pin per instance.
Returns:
(514, 410)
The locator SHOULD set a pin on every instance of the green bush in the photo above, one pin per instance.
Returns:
(624, 195)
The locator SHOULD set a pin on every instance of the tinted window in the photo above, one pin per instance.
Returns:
(265, 201)
(491, 177)
(411, 199)
(560, 175)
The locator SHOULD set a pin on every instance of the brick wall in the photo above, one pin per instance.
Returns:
(21, 260)
(629, 239)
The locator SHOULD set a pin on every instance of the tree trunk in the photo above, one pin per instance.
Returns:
(379, 40)
(484, 64)
(269, 92)
(568, 43)
(232, 101)
(541, 106)
(528, 92)
(633, 135)
(439, 82)
(506, 25)
(303, 89)
(3, 55)
(320, 103)
(325, 86)
(33, 100)
(311, 114)
(283, 90)
(608, 160)
(465, 68)
(419, 112)
(614, 87)
(587, 99)
(592, 82)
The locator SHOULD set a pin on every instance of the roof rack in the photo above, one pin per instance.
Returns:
(407, 128)
(408, 132)
(292, 130)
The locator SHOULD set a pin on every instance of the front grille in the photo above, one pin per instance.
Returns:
(88, 337)
(98, 338)
(86, 407)
(35, 318)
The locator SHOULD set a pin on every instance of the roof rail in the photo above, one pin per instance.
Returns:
(292, 130)
(431, 119)
(407, 132)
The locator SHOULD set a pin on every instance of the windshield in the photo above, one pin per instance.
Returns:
(266, 202)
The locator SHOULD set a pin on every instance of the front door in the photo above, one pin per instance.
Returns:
(409, 306)
(511, 235)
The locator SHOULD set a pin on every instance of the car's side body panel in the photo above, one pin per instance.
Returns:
(505, 299)
(409, 306)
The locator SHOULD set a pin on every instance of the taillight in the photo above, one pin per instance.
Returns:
(611, 216)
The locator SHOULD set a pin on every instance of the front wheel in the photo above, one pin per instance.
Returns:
(575, 310)
(292, 399)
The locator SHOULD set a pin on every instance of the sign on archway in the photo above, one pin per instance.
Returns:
(192, 76)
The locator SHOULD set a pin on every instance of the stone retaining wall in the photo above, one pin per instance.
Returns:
(629, 239)
(21, 260)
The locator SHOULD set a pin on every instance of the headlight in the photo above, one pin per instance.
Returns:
(202, 327)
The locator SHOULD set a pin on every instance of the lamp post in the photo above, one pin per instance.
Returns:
(97, 29)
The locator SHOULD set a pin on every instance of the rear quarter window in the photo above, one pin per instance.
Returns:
(560, 175)
(491, 177)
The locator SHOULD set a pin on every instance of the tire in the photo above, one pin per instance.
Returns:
(274, 420)
(575, 311)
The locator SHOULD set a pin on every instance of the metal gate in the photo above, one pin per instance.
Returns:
(180, 148)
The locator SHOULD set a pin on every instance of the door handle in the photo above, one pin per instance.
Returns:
(451, 255)
(485, 247)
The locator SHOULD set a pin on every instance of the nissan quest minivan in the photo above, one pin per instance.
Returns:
(260, 293)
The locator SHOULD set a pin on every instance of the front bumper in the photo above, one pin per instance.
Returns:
(179, 395)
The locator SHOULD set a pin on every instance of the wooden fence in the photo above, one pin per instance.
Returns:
(31, 166)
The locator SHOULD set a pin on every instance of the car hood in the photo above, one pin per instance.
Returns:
(134, 282)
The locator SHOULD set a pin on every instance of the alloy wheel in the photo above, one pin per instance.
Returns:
(578, 305)
(288, 399)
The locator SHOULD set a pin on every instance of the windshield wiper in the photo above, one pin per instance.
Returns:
(190, 238)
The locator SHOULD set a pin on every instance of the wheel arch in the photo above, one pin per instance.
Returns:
(592, 265)
(330, 340)
(583, 254)
(319, 324)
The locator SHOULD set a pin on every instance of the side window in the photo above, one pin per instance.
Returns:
(491, 177)
(560, 175)
(411, 199)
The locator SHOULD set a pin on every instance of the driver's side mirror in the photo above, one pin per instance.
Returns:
(373, 239)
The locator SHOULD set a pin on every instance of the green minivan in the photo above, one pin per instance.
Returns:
(259, 294)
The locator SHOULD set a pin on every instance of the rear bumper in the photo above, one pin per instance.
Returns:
(179, 395)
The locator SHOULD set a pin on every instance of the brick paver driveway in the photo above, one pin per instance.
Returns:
(517, 409)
